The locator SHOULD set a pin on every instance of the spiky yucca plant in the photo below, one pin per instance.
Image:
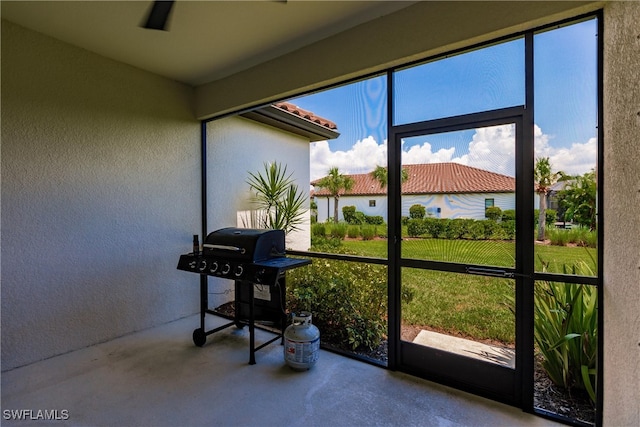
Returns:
(280, 203)
(566, 332)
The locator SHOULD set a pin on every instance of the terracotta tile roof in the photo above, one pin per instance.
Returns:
(306, 114)
(435, 178)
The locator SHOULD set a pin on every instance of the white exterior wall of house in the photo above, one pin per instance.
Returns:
(235, 147)
(450, 205)
(458, 205)
(326, 204)
(100, 195)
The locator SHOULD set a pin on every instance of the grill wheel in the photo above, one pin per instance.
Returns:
(199, 337)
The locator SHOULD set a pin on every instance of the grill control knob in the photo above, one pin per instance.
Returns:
(239, 271)
(214, 267)
(203, 265)
(226, 268)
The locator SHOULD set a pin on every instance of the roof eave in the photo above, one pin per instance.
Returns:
(276, 117)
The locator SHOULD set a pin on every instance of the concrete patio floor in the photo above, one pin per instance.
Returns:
(157, 377)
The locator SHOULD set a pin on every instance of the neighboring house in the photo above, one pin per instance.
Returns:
(552, 194)
(446, 190)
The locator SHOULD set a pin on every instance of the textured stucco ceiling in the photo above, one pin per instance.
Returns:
(205, 41)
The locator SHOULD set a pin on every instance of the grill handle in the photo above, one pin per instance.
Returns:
(224, 248)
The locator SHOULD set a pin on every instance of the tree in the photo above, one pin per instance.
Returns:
(544, 180)
(281, 204)
(335, 183)
(380, 175)
(579, 200)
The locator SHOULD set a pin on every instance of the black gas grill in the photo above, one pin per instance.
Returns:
(255, 260)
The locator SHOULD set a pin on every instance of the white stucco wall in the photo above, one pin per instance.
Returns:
(621, 214)
(100, 195)
(451, 205)
(235, 147)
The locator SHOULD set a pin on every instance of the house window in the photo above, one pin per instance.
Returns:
(372, 203)
(488, 203)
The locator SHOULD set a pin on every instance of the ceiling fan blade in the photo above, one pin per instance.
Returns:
(159, 15)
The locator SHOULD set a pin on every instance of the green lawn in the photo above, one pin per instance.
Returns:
(486, 252)
(464, 305)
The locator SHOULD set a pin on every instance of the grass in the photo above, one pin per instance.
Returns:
(470, 306)
(485, 252)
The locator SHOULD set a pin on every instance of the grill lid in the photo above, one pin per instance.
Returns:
(246, 244)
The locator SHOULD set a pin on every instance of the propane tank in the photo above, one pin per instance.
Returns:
(301, 342)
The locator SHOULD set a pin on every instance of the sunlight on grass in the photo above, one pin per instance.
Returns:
(462, 305)
(483, 252)
(468, 306)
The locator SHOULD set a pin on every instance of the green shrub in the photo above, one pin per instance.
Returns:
(498, 233)
(374, 220)
(509, 228)
(318, 229)
(416, 227)
(368, 232)
(558, 236)
(338, 230)
(475, 231)
(353, 231)
(434, 227)
(493, 213)
(348, 213)
(404, 220)
(348, 301)
(417, 211)
(455, 228)
(492, 229)
(509, 215)
(549, 216)
(359, 218)
(324, 244)
(591, 239)
(582, 236)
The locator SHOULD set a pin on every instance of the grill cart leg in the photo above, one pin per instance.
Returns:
(200, 335)
(204, 301)
(252, 341)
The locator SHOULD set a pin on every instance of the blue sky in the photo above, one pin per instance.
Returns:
(565, 76)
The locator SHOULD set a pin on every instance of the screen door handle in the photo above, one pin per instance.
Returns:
(493, 272)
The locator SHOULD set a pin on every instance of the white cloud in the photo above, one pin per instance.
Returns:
(363, 157)
(575, 160)
(491, 148)
(421, 154)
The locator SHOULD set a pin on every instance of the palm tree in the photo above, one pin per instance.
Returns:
(544, 180)
(335, 183)
(380, 175)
